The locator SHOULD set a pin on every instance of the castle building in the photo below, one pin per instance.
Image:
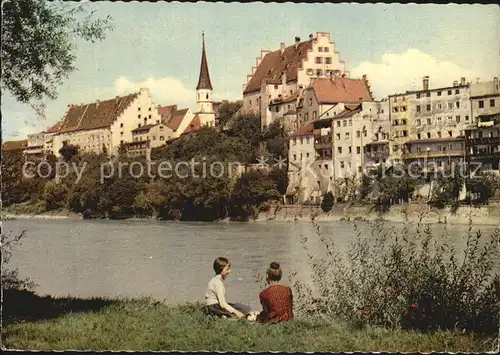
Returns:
(273, 88)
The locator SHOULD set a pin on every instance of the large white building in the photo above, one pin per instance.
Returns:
(278, 78)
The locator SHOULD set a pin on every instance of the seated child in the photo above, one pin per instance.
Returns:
(215, 296)
(276, 300)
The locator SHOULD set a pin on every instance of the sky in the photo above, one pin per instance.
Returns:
(158, 45)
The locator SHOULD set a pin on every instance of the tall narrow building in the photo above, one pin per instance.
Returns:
(204, 90)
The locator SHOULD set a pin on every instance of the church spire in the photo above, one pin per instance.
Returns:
(204, 80)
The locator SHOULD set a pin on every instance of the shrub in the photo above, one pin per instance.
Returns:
(406, 279)
(10, 279)
(327, 202)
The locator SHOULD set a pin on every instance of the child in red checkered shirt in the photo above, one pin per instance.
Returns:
(276, 299)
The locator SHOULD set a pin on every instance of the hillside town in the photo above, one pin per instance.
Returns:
(336, 128)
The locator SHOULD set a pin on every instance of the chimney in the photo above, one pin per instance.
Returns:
(462, 81)
(455, 83)
(364, 77)
(97, 103)
(425, 83)
(282, 47)
(311, 36)
(297, 41)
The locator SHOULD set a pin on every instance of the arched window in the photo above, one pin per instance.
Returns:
(207, 96)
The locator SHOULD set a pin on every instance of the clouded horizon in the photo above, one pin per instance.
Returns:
(158, 45)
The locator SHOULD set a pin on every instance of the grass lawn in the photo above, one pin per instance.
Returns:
(147, 325)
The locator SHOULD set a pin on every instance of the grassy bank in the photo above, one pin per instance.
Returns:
(45, 323)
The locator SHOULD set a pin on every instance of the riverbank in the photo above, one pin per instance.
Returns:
(148, 325)
(484, 215)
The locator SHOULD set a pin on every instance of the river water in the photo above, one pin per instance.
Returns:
(170, 261)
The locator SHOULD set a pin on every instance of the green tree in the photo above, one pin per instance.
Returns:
(38, 45)
(55, 195)
(227, 110)
(69, 151)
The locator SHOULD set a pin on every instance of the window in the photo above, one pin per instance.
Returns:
(339, 149)
(301, 140)
(428, 94)
(138, 109)
(319, 60)
(481, 104)
(310, 101)
(307, 140)
(157, 121)
(428, 121)
(300, 156)
(366, 132)
(350, 149)
(419, 122)
(439, 134)
(295, 157)
(350, 123)
(418, 108)
(457, 104)
(328, 60)
(419, 136)
(457, 91)
(440, 107)
(439, 93)
(403, 108)
(139, 116)
(150, 109)
(450, 133)
(457, 118)
(121, 133)
(395, 148)
(358, 134)
(418, 96)
(139, 125)
(466, 118)
(347, 135)
(342, 165)
(319, 72)
(162, 138)
(450, 105)
(428, 107)
(338, 135)
(344, 123)
(315, 114)
(320, 49)
(294, 141)
(338, 123)
(492, 102)
(325, 49)
(449, 92)
(358, 150)
(403, 122)
(428, 134)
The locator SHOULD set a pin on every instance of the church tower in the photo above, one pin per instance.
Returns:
(204, 92)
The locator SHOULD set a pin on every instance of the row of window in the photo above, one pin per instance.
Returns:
(458, 119)
(438, 93)
(440, 148)
(139, 109)
(323, 49)
(439, 135)
(320, 72)
(136, 139)
(439, 106)
(481, 103)
(321, 60)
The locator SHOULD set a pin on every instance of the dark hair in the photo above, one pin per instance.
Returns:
(219, 264)
(274, 271)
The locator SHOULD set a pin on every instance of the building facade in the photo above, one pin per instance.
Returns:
(283, 74)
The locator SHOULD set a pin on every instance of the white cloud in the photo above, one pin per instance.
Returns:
(164, 91)
(399, 72)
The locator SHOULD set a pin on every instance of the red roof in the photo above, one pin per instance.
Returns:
(95, 115)
(304, 131)
(176, 119)
(14, 145)
(274, 63)
(55, 128)
(166, 112)
(338, 89)
(194, 125)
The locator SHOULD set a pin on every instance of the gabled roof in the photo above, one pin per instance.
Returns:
(55, 128)
(14, 145)
(96, 114)
(337, 89)
(166, 112)
(274, 63)
(193, 126)
(306, 130)
(204, 79)
(176, 118)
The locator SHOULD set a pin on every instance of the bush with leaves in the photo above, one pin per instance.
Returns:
(327, 202)
(10, 277)
(406, 279)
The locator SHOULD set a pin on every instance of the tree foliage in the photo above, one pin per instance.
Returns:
(38, 45)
